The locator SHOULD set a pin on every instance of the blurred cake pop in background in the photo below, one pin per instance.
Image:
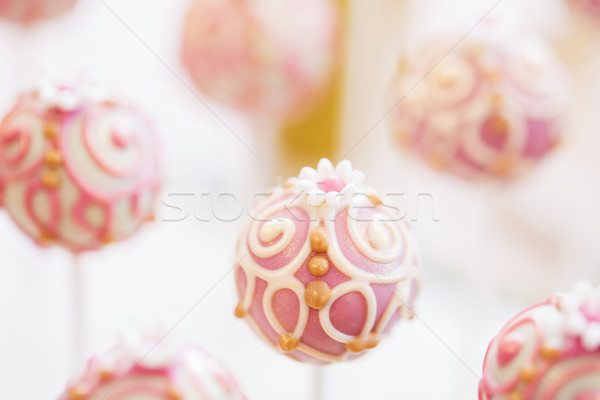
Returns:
(326, 269)
(153, 368)
(549, 351)
(29, 11)
(591, 6)
(491, 107)
(78, 168)
(270, 57)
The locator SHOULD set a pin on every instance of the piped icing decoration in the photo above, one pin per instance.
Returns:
(78, 168)
(258, 56)
(550, 351)
(491, 108)
(131, 371)
(326, 268)
(29, 11)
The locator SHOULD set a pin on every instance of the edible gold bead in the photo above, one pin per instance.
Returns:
(317, 295)
(318, 240)
(288, 343)
(318, 266)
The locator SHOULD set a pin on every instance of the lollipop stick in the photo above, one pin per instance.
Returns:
(77, 310)
(318, 387)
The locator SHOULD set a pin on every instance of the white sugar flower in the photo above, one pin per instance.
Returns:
(69, 98)
(149, 345)
(576, 308)
(590, 339)
(333, 186)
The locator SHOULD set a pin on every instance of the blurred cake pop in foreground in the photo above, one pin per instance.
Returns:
(491, 107)
(28, 11)
(131, 371)
(549, 351)
(266, 57)
(325, 268)
(77, 168)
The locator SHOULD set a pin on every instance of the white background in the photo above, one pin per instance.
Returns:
(494, 250)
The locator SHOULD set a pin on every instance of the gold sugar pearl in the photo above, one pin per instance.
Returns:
(445, 79)
(53, 158)
(51, 179)
(105, 375)
(77, 393)
(503, 166)
(515, 396)
(317, 295)
(46, 237)
(240, 311)
(318, 240)
(492, 75)
(174, 395)
(549, 353)
(528, 373)
(374, 199)
(356, 345)
(437, 161)
(499, 125)
(318, 266)
(372, 340)
(497, 99)
(288, 343)
(51, 130)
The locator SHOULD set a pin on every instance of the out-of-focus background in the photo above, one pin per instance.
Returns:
(488, 250)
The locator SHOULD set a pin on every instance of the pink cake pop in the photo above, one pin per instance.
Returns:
(130, 371)
(592, 6)
(490, 108)
(550, 351)
(268, 57)
(28, 11)
(326, 269)
(77, 168)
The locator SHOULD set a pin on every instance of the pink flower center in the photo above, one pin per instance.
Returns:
(331, 184)
(119, 139)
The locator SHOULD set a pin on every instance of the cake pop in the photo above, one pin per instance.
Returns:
(154, 370)
(592, 6)
(28, 11)
(549, 351)
(490, 106)
(77, 168)
(325, 267)
(267, 57)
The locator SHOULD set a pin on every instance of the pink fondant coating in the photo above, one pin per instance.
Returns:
(591, 6)
(348, 313)
(28, 11)
(286, 307)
